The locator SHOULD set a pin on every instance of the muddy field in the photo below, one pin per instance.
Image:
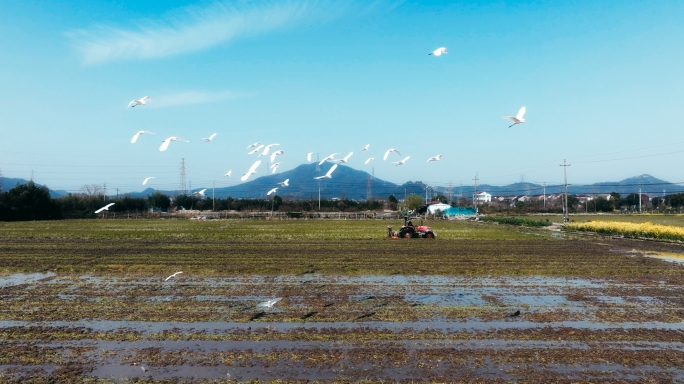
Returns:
(535, 306)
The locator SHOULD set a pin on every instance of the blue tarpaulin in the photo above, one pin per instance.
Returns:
(460, 211)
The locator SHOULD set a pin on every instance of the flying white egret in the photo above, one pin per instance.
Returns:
(165, 143)
(105, 208)
(228, 173)
(285, 183)
(253, 145)
(388, 152)
(210, 138)
(135, 137)
(255, 150)
(366, 147)
(369, 160)
(438, 52)
(402, 162)
(252, 170)
(308, 156)
(267, 149)
(275, 167)
(435, 158)
(346, 158)
(276, 153)
(331, 157)
(174, 275)
(327, 175)
(517, 119)
(272, 191)
(199, 193)
(147, 179)
(142, 101)
(269, 303)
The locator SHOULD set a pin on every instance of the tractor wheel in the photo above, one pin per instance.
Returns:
(408, 235)
(429, 235)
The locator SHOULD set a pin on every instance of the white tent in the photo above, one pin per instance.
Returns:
(439, 206)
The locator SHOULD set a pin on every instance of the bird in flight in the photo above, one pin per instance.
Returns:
(165, 143)
(147, 179)
(174, 275)
(210, 138)
(369, 160)
(269, 303)
(402, 162)
(267, 149)
(331, 157)
(105, 208)
(388, 152)
(228, 173)
(274, 167)
(135, 137)
(327, 175)
(285, 183)
(253, 145)
(308, 156)
(435, 158)
(272, 191)
(438, 52)
(517, 119)
(199, 193)
(252, 170)
(346, 158)
(255, 150)
(366, 147)
(142, 101)
(276, 153)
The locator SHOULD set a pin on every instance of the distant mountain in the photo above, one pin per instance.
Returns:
(7, 183)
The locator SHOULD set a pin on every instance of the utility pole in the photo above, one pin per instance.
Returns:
(640, 184)
(475, 193)
(565, 202)
(104, 191)
(544, 195)
(450, 193)
(182, 186)
(213, 190)
(319, 195)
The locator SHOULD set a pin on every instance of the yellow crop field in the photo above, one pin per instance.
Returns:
(647, 229)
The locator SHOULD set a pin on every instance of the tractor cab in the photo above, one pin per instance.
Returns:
(409, 230)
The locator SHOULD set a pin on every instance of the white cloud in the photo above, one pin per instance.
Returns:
(197, 29)
(194, 97)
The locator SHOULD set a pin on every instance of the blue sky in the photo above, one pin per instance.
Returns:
(602, 83)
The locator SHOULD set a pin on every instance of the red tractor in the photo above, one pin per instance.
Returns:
(409, 231)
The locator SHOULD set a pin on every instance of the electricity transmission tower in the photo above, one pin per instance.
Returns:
(182, 187)
(565, 200)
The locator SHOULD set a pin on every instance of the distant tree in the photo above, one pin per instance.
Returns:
(28, 202)
(392, 199)
(632, 199)
(159, 200)
(441, 199)
(413, 201)
(602, 204)
(655, 202)
(92, 190)
(573, 202)
(277, 202)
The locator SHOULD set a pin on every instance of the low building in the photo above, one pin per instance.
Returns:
(482, 197)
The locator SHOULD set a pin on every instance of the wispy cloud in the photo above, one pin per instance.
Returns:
(195, 97)
(196, 29)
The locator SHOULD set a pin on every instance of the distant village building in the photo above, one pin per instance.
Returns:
(482, 197)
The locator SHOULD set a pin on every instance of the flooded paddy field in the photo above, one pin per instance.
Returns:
(529, 307)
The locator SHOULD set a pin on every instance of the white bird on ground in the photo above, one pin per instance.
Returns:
(369, 160)
(165, 143)
(327, 175)
(174, 275)
(402, 162)
(269, 303)
(253, 145)
(255, 150)
(272, 191)
(210, 138)
(308, 156)
(147, 179)
(366, 147)
(435, 158)
(388, 152)
(267, 149)
(276, 153)
(105, 208)
(135, 137)
(252, 170)
(275, 167)
(438, 52)
(285, 183)
(228, 173)
(142, 101)
(346, 158)
(517, 119)
(331, 157)
(199, 193)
